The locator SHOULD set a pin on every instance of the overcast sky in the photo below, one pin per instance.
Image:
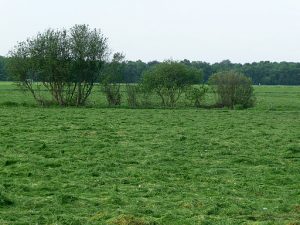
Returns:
(204, 30)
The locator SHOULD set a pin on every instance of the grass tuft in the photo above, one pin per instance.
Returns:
(5, 201)
(129, 220)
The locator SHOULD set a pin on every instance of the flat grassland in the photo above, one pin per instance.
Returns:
(150, 166)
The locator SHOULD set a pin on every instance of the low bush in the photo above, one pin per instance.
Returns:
(196, 95)
(169, 80)
(133, 92)
(111, 80)
(112, 93)
(232, 89)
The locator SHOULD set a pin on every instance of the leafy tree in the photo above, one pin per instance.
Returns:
(196, 95)
(169, 80)
(64, 62)
(3, 75)
(112, 78)
(270, 73)
(133, 92)
(133, 71)
(205, 67)
(232, 89)
(20, 68)
(89, 51)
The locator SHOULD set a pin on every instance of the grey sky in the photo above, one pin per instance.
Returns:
(205, 30)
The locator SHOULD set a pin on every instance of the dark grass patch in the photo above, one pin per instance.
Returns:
(9, 104)
(294, 148)
(10, 162)
(67, 199)
(5, 201)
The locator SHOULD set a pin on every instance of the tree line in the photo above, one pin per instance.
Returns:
(62, 66)
(3, 74)
(264, 73)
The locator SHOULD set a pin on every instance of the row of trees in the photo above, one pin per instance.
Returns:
(265, 72)
(62, 66)
(171, 80)
(3, 73)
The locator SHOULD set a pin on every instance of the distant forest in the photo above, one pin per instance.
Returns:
(265, 73)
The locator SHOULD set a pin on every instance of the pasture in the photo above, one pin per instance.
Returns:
(97, 165)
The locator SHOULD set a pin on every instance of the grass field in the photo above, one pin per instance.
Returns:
(150, 166)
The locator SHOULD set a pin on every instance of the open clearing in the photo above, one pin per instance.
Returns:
(150, 166)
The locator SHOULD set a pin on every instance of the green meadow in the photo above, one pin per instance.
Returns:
(100, 165)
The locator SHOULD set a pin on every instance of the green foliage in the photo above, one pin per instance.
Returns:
(3, 73)
(270, 98)
(270, 73)
(133, 92)
(233, 89)
(196, 95)
(111, 80)
(113, 71)
(112, 93)
(89, 51)
(133, 71)
(264, 72)
(66, 63)
(138, 96)
(261, 73)
(169, 80)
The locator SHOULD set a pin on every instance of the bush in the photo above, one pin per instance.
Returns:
(169, 80)
(133, 92)
(112, 93)
(233, 89)
(196, 95)
(137, 96)
(66, 63)
(111, 79)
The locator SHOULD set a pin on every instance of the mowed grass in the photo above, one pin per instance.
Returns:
(150, 166)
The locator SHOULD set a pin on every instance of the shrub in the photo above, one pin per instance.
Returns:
(169, 80)
(233, 89)
(137, 96)
(111, 79)
(196, 95)
(133, 92)
(66, 63)
(112, 93)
